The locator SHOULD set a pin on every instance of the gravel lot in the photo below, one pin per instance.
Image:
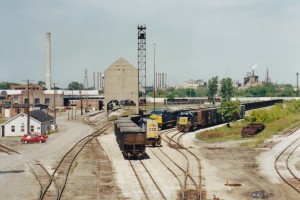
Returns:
(221, 163)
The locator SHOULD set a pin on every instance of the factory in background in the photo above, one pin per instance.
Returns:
(251, 79)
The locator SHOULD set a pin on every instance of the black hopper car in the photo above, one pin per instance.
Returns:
(130, 137)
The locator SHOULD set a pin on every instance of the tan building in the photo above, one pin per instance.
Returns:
(121, 83)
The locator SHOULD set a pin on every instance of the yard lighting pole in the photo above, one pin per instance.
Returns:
(297, 84)
(154, 87)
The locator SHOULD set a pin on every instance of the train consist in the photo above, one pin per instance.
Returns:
(187, 120)
(190, 119)
(261, 104)
(134, 133)
(197, 118)
(130, 137)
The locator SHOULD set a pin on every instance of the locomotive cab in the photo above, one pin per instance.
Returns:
(185, 120)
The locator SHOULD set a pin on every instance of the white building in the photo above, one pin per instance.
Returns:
(40, 122)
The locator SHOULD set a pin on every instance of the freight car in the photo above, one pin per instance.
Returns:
(190, 119)
(131, 138)
(165, 118)
(261, 104)
(197, 118)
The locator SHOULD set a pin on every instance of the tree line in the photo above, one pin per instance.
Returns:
(210, 90)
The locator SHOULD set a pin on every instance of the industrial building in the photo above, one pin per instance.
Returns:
(121, 83)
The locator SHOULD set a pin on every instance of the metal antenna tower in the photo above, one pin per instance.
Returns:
(86, 83)
(142, 58)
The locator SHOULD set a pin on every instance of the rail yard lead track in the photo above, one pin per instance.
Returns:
(144, 179)
(187, 192)
(283, 169)
(44, 179)
(7, 150)
(61, 173)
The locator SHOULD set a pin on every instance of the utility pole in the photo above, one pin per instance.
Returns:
(54, 102)
(297, 84)
(28, 107)
(68, 108)
(72, 104)
(81, 101)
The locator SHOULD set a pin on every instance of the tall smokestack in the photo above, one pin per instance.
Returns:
(48, 61)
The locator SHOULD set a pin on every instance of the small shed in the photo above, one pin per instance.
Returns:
(40, 122)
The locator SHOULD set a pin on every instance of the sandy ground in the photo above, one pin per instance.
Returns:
(252, 168)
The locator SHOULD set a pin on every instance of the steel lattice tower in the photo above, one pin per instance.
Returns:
(142, 57)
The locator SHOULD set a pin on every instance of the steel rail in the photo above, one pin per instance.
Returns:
(187, 174)
(136, 175)
(7, 150)
(99, 165)
(287, 166)
(84, 141)
(153, 180)
(199, 166)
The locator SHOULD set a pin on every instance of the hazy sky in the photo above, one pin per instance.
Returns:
(196, 39)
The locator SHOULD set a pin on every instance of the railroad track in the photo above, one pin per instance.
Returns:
(105, 177)
(270, 144)
(98, 118)
(7, 150)
(44, 179)
(283, 168)
(191, 187)
(149, 186)
(61, 173)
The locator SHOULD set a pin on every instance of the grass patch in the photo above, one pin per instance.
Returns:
(233, 133)
(75, 164)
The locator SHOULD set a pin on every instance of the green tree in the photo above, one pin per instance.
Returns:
(201, 91)
(6, 85)
(227, 89)
(42, 83)
(287, 91)
(75, 86)
(230, 111)
(212, 89)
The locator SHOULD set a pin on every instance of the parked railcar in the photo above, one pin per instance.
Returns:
(191, 119)
(131, 138)
(122, 124)
(132, 142)
(165, 118)
(261, 104)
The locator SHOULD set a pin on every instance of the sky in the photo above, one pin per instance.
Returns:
(195, 39)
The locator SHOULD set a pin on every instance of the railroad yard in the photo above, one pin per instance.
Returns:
(181, 168)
